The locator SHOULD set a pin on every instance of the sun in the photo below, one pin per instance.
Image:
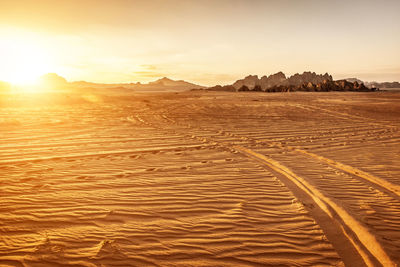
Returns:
(22, 62)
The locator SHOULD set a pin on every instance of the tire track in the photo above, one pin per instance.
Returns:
(342, 115)
(102, 153)
(365, 242)
(380, 183)
(347, 234)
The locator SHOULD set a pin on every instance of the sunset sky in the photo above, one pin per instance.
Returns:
(206, 42)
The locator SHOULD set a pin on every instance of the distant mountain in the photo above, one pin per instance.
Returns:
(168, 83)
(54, 81)
(383, 85)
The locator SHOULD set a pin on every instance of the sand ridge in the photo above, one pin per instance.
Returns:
(187, 179)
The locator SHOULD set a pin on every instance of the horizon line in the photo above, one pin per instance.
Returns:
(184, 80)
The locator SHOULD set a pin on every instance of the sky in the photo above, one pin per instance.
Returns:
(206, 41)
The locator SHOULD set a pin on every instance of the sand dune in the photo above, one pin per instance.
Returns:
(203, 179)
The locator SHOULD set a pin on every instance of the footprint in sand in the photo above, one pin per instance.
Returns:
(108, 248)
(47, 247)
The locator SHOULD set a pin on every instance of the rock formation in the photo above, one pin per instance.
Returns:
(308, 81)
(354, 80)
(250, 81)
(279, 79)
(325, 86)
(273, 80)
(307, 76)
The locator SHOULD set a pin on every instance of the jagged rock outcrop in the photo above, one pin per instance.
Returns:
(279, 79)
(325, 86)
(307, 76)
(273, 80)
(250, 81)
(306, 82)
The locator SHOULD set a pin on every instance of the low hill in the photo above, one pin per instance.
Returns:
(53, 81)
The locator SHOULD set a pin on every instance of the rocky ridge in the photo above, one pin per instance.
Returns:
(280, 79)
(278, 82)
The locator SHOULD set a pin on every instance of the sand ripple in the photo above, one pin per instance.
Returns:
(163, 185)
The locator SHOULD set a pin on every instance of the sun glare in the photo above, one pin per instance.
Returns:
(22, 62)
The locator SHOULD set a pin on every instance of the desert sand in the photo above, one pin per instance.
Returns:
(201, 179)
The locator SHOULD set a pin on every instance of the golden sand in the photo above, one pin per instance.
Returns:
(202, 179)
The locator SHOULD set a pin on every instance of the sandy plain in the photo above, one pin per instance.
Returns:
(201, 179)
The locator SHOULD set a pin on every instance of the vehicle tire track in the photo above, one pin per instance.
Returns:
(365, 242)
(345, 232)
(378, 182)
(387, 186)
(342, 115)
